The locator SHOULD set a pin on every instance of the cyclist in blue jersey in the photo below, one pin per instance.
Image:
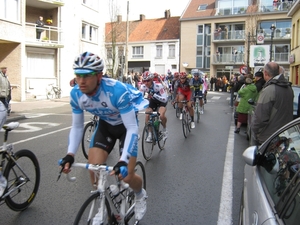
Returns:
(197, 86)
(116, 104)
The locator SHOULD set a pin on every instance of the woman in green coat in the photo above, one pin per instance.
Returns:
(245, 93)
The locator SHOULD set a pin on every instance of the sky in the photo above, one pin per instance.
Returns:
(150, 8)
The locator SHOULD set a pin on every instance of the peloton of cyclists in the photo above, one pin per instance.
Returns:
(197, 84)
(182, 89)
(158, 98)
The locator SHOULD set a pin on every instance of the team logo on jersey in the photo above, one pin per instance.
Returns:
(104, 104)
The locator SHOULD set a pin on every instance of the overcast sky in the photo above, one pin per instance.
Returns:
(150, 8)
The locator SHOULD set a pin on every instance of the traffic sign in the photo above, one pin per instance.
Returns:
(243, 69)
(260, 38)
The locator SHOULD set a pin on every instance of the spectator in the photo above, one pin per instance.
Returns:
(259, 80)
(39, 25)
(249, 91)
(5, 90)
(274, 107)
(213, 83)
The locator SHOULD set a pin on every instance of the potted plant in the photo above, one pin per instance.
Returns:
(49, 21)
(45, 39)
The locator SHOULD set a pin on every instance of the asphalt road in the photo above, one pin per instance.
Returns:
(185, 182)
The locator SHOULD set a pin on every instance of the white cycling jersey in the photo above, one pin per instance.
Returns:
(158, 89)
(115, 103)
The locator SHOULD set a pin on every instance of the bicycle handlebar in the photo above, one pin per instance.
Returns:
(151, 113)
(91, 167)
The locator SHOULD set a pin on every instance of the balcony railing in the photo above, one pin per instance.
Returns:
(231, 11)
(281, 57)
(229, 58)
(51, 35)
(229, 35)
(279, 33)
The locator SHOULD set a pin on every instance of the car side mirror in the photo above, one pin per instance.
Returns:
(251, 101)
(250, 155)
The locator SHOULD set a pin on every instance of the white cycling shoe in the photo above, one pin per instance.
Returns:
(140, 207)
(193, 125)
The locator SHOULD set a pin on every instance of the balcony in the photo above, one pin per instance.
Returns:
(237, 35)
(276, 7)
(50, 37)
(228, 59)
(281, 58)
(279, 33)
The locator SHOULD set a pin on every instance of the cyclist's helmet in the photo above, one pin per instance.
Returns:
(147, 75)
(182, 75)
(155, 74)
(88, 62)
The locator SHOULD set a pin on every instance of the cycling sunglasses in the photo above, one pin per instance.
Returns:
(86, 75)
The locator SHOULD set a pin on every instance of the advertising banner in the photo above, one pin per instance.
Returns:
(259, 55)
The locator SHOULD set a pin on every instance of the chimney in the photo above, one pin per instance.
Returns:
(167, 14)
(142, 17)
(119, 18)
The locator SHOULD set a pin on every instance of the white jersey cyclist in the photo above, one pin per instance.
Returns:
(114, 102)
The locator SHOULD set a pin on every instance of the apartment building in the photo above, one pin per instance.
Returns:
(216, 35)
(294, 59)
(71, 27)
(153, 44)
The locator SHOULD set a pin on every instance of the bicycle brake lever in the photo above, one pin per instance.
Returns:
(59, 175)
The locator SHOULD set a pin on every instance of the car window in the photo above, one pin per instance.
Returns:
(279, 170)
(296, 90)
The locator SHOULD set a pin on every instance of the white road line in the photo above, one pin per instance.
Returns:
(216, 97)
(225, 210)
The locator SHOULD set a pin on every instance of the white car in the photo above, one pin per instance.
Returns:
(271, 192)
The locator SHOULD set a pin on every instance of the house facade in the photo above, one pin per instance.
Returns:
(219, 36)
(152, 44)
(71, 27)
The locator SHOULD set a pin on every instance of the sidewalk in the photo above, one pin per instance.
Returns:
(18, 108)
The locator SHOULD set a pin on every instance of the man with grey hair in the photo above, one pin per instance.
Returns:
(274, 106)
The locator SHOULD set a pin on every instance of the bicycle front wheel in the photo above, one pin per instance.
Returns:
(90, 208)
(184, 124)
(50, 94)
(23, 180)
(198, 113)
(177, 110)
(161, 139)
(147, 144)
(87, 136)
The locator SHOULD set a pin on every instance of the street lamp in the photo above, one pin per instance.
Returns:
(272, 36)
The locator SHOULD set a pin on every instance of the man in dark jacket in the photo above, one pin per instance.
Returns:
(259, 80)
(274, 107)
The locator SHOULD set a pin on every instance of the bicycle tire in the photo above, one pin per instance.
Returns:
(147, 147)
(184, 124)
(92, 203)
(177, 110)
(20, 199)
(161, 141)
(58, 94)
(198, 113)
(50, 94)
(88, 131)
(189, 120)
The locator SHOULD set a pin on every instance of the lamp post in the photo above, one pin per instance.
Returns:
(272, 36)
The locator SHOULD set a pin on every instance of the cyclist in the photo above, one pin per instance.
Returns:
(158, 98)
(183, 89)
(197, 84)
(116, 105)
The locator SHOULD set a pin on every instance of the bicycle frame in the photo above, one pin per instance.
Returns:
(101, 173)
(153, 116)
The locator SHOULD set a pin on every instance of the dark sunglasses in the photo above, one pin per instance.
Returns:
(145, 81)
(87, 75)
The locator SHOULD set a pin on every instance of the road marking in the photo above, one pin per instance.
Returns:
(216, 97)
(225, 210)
(29, 127)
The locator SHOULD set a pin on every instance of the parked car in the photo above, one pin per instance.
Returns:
(296, 109)
(271, 191)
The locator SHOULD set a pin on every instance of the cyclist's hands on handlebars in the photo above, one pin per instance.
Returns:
(120, 169)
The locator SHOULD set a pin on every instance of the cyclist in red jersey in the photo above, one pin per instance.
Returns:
(184, 92)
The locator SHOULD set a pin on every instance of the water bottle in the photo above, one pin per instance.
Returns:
(97, 219)
(115, 192)
(3, 183)
(156, 124)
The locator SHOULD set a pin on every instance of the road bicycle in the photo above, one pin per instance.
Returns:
(22, 172)
(53, 91)
(103, 207)
(186, 119)
(154, 126)
(88, 131)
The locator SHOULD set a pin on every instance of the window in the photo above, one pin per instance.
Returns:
(138, 52)
(94, 4)
(171, 51)
(10, 10)
(228, 7)
(89, 32)
(202, 7)
(158, 51)
(200, 29)
(199, 58)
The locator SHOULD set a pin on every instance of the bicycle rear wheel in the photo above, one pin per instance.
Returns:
(90, 208)
(161, 140)
(23, 176)
(50, 94)
(184, 124)
(87, 136)
(177, 110)
(147, 147)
